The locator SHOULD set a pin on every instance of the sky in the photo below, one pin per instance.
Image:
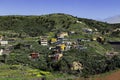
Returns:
(92, 9)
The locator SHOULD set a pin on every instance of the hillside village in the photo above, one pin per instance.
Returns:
(58, 44)
(67, 50)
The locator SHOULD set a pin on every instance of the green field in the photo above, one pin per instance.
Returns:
(19, 72)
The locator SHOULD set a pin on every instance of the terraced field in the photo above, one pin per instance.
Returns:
(18, 72)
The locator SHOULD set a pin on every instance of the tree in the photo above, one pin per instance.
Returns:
(4, 58)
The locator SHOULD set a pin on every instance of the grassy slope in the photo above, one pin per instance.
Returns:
(19, 72)
(6, 73)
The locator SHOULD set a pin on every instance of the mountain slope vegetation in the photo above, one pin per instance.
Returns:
(39, 25)
(88, 40)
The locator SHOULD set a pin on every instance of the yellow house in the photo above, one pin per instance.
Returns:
(62, 47)
(76, 66)
(53, 40)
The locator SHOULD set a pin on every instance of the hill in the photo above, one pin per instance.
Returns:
(113, 20)
(36, 41)
(39, 25)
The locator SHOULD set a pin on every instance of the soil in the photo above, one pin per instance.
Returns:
(111, 76)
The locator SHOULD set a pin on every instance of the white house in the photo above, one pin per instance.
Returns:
(87, 30)
(1, 52)
(43, 41)
(79, 22)
(62, 35)
(3, 43)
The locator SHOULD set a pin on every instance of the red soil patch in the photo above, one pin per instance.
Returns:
(112, 76)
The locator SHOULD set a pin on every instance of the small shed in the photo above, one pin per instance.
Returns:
(56, 57)
(34, 55)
